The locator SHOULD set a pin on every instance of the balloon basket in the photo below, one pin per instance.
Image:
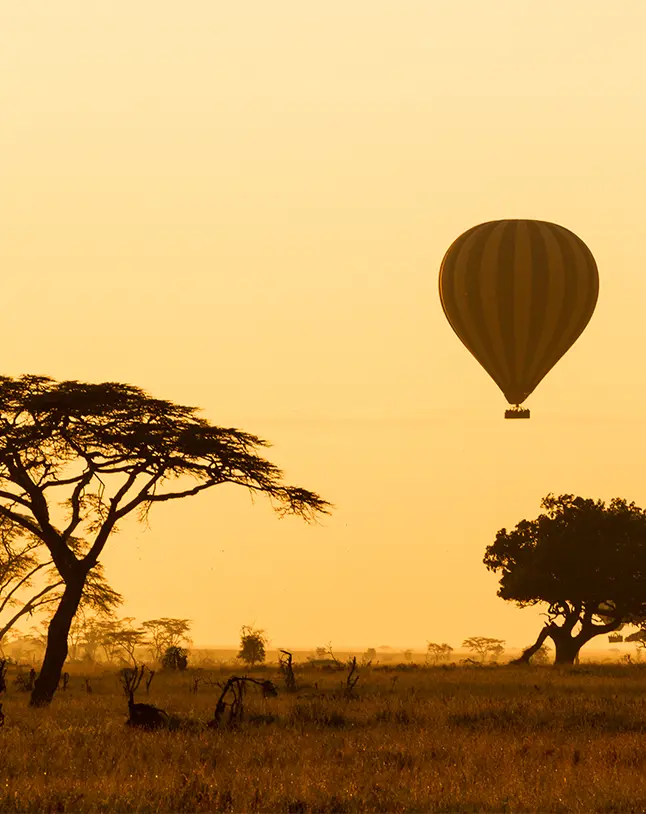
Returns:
(517, 412)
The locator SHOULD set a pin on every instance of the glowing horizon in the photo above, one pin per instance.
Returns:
(246, 208)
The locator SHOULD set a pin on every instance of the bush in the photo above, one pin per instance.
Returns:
(541, 656)
(175, 658)
(252, 645)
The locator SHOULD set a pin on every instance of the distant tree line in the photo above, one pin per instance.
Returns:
(76, 459)
(103, 637)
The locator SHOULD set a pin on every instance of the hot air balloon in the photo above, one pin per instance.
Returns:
(518, 293)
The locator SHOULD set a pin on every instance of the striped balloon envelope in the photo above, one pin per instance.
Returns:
(518, 293)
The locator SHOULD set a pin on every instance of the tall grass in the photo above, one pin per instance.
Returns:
(434, 740)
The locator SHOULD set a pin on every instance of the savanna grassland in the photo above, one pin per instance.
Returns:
(412, 740)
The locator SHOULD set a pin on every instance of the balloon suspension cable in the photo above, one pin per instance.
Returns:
(517, 412)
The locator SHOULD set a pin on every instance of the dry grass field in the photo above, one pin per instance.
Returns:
(437, 739)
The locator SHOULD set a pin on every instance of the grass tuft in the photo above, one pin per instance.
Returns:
(459, 740)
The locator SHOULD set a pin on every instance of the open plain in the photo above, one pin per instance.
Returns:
(412, 739)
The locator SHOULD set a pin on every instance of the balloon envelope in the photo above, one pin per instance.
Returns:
(518, 293)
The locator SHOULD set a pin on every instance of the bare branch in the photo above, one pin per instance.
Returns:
(75, 502)
(6, 600)
(33, 604)
(22, 521)
(15, 499)
(38, 505)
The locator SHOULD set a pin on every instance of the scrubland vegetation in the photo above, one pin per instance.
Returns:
(408, 738)
(335, 736)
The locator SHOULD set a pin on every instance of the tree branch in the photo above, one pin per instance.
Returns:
(15, 499)
(5, 601)
(173, 495)
(530, 651)
(75, 501)
(572, 617)
(38, 507)
(596, 630)
(31, 606)
(23, 521)
(115, 514)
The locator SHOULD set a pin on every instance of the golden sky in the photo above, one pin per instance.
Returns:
(244, 205)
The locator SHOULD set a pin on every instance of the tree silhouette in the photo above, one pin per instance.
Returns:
(88, 632)
(483, 646)
(436, 652)
(121, 639)
(639, 636)
(104, 451)
(586, 561)
(165, 633)
(369, 656)
(252, 645)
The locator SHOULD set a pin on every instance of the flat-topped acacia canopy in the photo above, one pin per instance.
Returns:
(104, 450)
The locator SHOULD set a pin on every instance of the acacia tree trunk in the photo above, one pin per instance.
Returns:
(567, 645)
(567, 648)
(56, 651)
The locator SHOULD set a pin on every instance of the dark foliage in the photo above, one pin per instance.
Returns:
(175, 658)
(584, 559)
(110, 450)
(638, 636)
(252, 645)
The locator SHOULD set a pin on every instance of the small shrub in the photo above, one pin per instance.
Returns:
(175, 658)
(542, 656)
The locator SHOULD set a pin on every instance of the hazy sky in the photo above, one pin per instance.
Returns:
(243, 206)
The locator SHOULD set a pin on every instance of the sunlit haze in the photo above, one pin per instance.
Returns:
(244, 207)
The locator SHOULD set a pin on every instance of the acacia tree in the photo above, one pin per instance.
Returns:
(436, 652)
(92, 630)
(102, 452)
(483, 646)
(639, 637)
(165, 633)
(118, 638)
(586, 561)
(123, 640)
